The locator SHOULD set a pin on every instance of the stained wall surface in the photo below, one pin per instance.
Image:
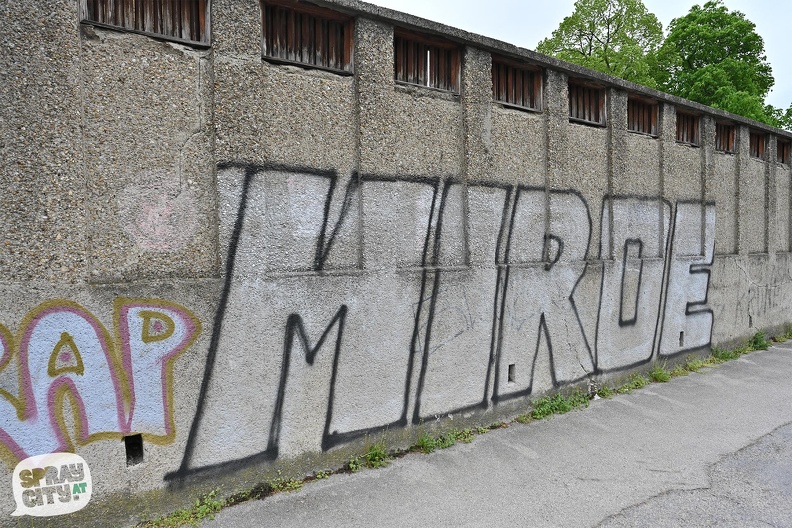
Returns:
(254, 266)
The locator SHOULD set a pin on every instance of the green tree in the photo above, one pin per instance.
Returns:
(617, 37)
(715, 57)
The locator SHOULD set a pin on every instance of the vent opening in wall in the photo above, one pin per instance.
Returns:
(724, 138)
(586, 104)
(687, 129)
(681, 338)
(783, 151)
(642, 116)
(516, 85)
(512, 373)
(176, 20)
(757, 145)
(750, 321)
(427, 61)
(134, 449)
(306, 35)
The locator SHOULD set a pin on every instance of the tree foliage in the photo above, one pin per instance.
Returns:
(711, 55)
(715, 57)
(617, 37)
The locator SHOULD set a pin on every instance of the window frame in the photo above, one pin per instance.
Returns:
(499, 90)
(757, 145)
(692, 137)
(587, 88)
(729, 146)
(140, 16)
(653, 108)
(328, 16)
(431, 43)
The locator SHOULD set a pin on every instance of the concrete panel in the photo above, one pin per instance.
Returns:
(518, 140)
(588, 174)
(641, 164)
(268, 113)
(724, 186)
(44, 234)
(682, 176)
(753, 206)
(783, 201)
(148, 161)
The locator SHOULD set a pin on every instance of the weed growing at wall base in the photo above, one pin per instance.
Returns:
(285, 484)
(204, 507)
(759, 341)
(377, 455)
(558, 404)
(659, 374)
(787, 335)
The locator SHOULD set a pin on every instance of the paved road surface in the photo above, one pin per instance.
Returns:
(712, 448)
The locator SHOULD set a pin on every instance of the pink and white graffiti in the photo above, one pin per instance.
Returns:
(114, 385)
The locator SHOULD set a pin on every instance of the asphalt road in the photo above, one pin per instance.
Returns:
(710, 449)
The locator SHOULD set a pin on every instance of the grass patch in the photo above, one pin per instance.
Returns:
(679, 370)
(558, 404)
(524, 418)
(723, 355)
(694, 364)
(377, 455)
(637, 381)
(354, 465)
(786, 336)
(204, 508)
(465, 435)
(606, 392)
(659, 374)
(446, 440)
(759, 341)
(286, 485)
(427, 443)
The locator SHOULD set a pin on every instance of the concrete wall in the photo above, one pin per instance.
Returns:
(261, 267)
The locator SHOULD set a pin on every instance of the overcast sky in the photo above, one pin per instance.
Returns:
(526, 22)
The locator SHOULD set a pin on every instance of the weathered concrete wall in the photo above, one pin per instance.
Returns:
(259, 266)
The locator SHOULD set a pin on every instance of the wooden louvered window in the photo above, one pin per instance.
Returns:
(757, 145)
(586, 104)
(426, 61)
(515, 84)
(642, 116)
(184, 21)
(724, 138)
(783, 151)
(687, 128)
(303, 34)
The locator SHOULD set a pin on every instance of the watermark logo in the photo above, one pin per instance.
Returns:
(53, 484)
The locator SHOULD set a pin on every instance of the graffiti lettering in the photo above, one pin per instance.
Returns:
(414, 297)
(66, 357)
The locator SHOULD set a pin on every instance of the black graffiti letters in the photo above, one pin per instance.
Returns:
(358, 303)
